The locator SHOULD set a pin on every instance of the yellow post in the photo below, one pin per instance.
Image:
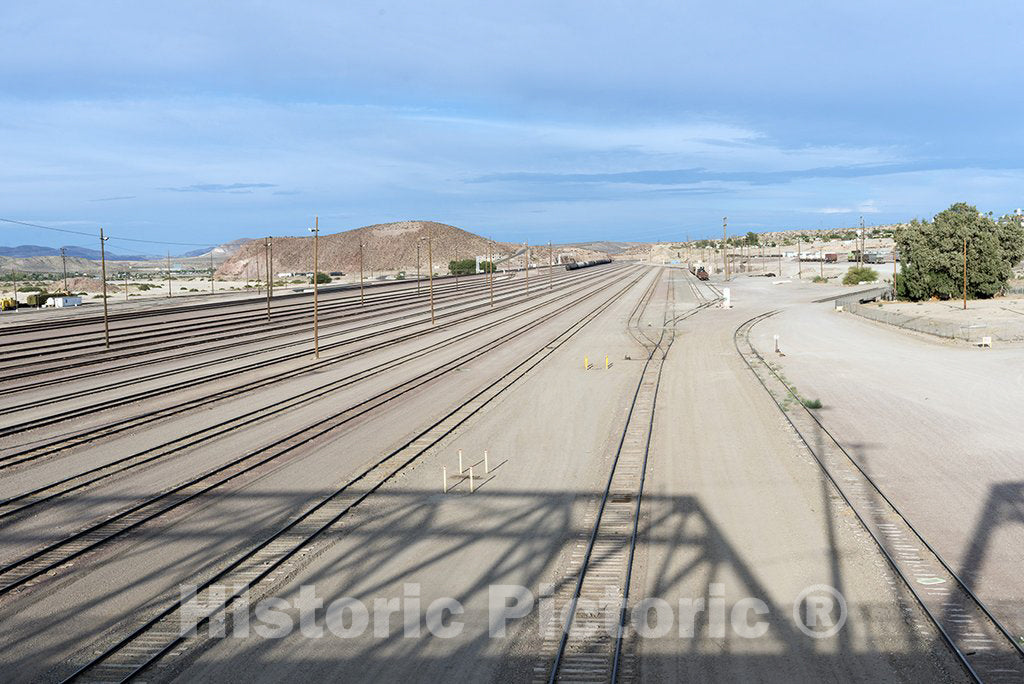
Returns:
(606, 362)
(586, 363)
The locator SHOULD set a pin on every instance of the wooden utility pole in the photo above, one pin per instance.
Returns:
(551, 265)
(316, 287)
(725, 248)
(799, 261)
(126, 274)
(169, 293)
(965, 272)
(266, 254)
(212, 270)
(527, 258)
(64, 261)
(103, 277)
(861, 245)
(430, 270)
(361, 300)
(490, 271)
(418, 241)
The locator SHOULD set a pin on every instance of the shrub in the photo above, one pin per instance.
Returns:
(820, 279)
(322, 278)
(462, 267)
(812, 403)
(860, 274)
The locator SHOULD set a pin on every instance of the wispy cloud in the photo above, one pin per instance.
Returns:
(868, 207)
(232, 188)
(699, 175)
(112, 199)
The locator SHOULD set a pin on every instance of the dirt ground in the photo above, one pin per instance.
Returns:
(1001, 318)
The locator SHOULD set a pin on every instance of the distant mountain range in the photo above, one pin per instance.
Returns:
(607, 246)
(220, 252)
(24, 251)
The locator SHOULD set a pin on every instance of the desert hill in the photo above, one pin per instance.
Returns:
(387, 247)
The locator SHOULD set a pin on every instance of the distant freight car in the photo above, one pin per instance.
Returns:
(878, 257)
(585, 264)
(61, 302)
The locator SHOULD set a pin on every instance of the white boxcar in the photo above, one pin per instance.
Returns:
(62, 302)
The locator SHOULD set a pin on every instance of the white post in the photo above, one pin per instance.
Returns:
(471, 478)
(776, 343)
(487, 466)
(444, 471)
(726, 298)
(460, 462)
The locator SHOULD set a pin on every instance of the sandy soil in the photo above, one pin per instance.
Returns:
(1001, 317)
(937, 425)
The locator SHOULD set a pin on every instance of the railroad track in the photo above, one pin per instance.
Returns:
(452, 311)
(46, 560)
(175, 328)
(42, 358)
(46, 448)
(703, 299)
(633, 325)
(159, 637)
(587, 644)
(157, 307)
(25, 501)
(987, 650)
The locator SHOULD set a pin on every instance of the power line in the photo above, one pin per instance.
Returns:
(109, 237)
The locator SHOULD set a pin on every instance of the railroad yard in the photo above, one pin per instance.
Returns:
(610, 473)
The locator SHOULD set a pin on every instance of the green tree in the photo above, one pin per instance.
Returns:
(932, 254)
(752, 238)
(462, 267)
(322, 278)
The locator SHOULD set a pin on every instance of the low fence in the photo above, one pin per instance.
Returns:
(973, 332)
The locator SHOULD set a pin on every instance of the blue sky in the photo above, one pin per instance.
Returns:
(203, 122)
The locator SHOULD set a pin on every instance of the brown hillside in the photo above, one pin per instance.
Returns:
(387, 247)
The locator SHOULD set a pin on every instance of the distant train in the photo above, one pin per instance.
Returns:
(699, 272)
(584, 264)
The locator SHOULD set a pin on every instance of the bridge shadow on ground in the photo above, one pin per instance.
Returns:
(460, 546)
